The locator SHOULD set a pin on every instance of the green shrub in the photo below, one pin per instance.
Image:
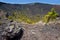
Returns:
(10, 17)
(51, 16)
(0, 22)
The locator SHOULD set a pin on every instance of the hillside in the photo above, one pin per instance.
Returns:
(31, 8)
(14, 19)
(29, 12)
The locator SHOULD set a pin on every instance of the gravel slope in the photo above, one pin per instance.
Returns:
(38, 31)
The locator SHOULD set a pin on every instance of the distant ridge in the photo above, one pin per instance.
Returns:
(26, 3)
(2, 3)
(30, 8)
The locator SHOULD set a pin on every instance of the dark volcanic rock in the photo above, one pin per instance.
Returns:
(12, 32)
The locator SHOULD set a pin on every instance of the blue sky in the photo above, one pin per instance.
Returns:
(31, 1)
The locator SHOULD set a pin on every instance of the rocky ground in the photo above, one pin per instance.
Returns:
(37, 31)
(42, 32)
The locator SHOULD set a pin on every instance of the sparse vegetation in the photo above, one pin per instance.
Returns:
(21, 17)
(0, 22)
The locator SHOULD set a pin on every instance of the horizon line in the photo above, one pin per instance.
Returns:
(31, 2)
